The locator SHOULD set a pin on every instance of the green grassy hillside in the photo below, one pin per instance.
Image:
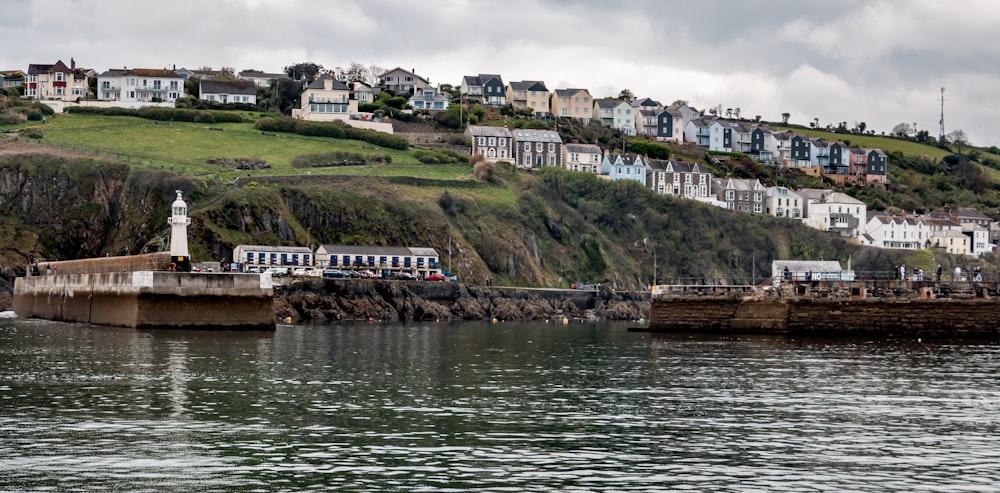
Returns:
(548, 228)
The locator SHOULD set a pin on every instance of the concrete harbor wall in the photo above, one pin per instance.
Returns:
(150, 299)
(896, 308)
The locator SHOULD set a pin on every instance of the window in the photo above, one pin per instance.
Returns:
(492, 141)
(527, 159)
(502, 141)
(539, 147)
(527, 146)
(482, 141)
(552, 147)
(552, 160)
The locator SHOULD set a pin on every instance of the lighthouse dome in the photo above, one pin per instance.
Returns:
(179, 202)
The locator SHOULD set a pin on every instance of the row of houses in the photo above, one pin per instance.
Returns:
(964, 231)
(417, 261)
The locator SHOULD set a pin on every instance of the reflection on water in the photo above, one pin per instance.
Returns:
(507, 407)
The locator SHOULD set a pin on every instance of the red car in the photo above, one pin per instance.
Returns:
(436, 277)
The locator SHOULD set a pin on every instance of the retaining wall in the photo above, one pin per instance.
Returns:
(150, 299)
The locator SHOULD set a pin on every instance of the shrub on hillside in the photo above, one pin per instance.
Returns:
(481, 168)
(336, 130)
(11, 118)
(162, 114)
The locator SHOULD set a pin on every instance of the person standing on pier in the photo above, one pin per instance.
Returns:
(902, 272)
(958, 273)
(938, 273)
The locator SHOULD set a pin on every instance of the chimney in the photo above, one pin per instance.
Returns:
(72, 64)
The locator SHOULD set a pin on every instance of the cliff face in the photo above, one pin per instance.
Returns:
(61, 208)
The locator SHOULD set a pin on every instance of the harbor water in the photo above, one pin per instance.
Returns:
(537, 406)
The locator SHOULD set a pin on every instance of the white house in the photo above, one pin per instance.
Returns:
(228, 91)
(582, 157)
(134, 86)
(387, 260)
(783, 202)
(897, 232)
(271, 256)
(615, 113)
(827, 210)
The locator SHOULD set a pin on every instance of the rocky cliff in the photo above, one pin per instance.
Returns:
(328, 299)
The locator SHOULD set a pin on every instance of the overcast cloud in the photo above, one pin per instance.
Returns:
(882, 62)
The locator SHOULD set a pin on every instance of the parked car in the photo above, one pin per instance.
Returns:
(586, 286)
(299, 272)
(277, 271)
(403, 276)
(436, 277)
(335, 274)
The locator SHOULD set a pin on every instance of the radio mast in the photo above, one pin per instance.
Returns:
(941, 137)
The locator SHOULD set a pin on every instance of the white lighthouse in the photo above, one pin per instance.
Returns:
(178, 235)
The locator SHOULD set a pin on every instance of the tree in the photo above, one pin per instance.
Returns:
(626, 95)
(901, 130)
(303, 70)
(713, 111)
(227, 73)
(784, 118)
(736, 112)
(355, 72)
(859, 127)
(192, 86)
(814, 123)
(679, 102)
(959, 138)
(729, 112)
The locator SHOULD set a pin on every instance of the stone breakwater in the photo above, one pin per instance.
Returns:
(863, 308)
(349, 299)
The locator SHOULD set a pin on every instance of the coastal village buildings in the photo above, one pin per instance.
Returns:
(741, 194)
(573, 103)
(616, 114)
(402, 82)
(679, 178)
(260, 79)
(783, 202)
(228, 91)
(537, 148)
(493, 143)
(583, 157)
(418, 261)
(624, 167)
(57, 81)
(326, 99)
(827, 210)
(134, 86)
(430, 99)
(488, 89)
(529, 94)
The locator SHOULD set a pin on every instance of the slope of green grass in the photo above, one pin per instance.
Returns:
(887, 144)
(185, 147)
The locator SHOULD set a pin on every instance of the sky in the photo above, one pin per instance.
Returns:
(882, 62)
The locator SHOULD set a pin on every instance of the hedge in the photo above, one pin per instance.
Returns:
(161, 114)
(336, 130)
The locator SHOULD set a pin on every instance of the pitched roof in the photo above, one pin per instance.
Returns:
(528, 85)
(609, 103)
(527, 135)
(378, 250)
(583, 148)
(228, 86)
(260, 75)
(565, 93)
(152, 72)
(401, 69)
(338, 85)
(646, 102)
(487, 131)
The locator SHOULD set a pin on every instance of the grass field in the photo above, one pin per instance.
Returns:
(185, 147)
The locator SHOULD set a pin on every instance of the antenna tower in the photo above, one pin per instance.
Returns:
(941, 137)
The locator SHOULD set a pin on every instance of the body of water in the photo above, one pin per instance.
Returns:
(490, 407)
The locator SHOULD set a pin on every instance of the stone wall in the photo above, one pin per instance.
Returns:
(150, 299)
(898, 308)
